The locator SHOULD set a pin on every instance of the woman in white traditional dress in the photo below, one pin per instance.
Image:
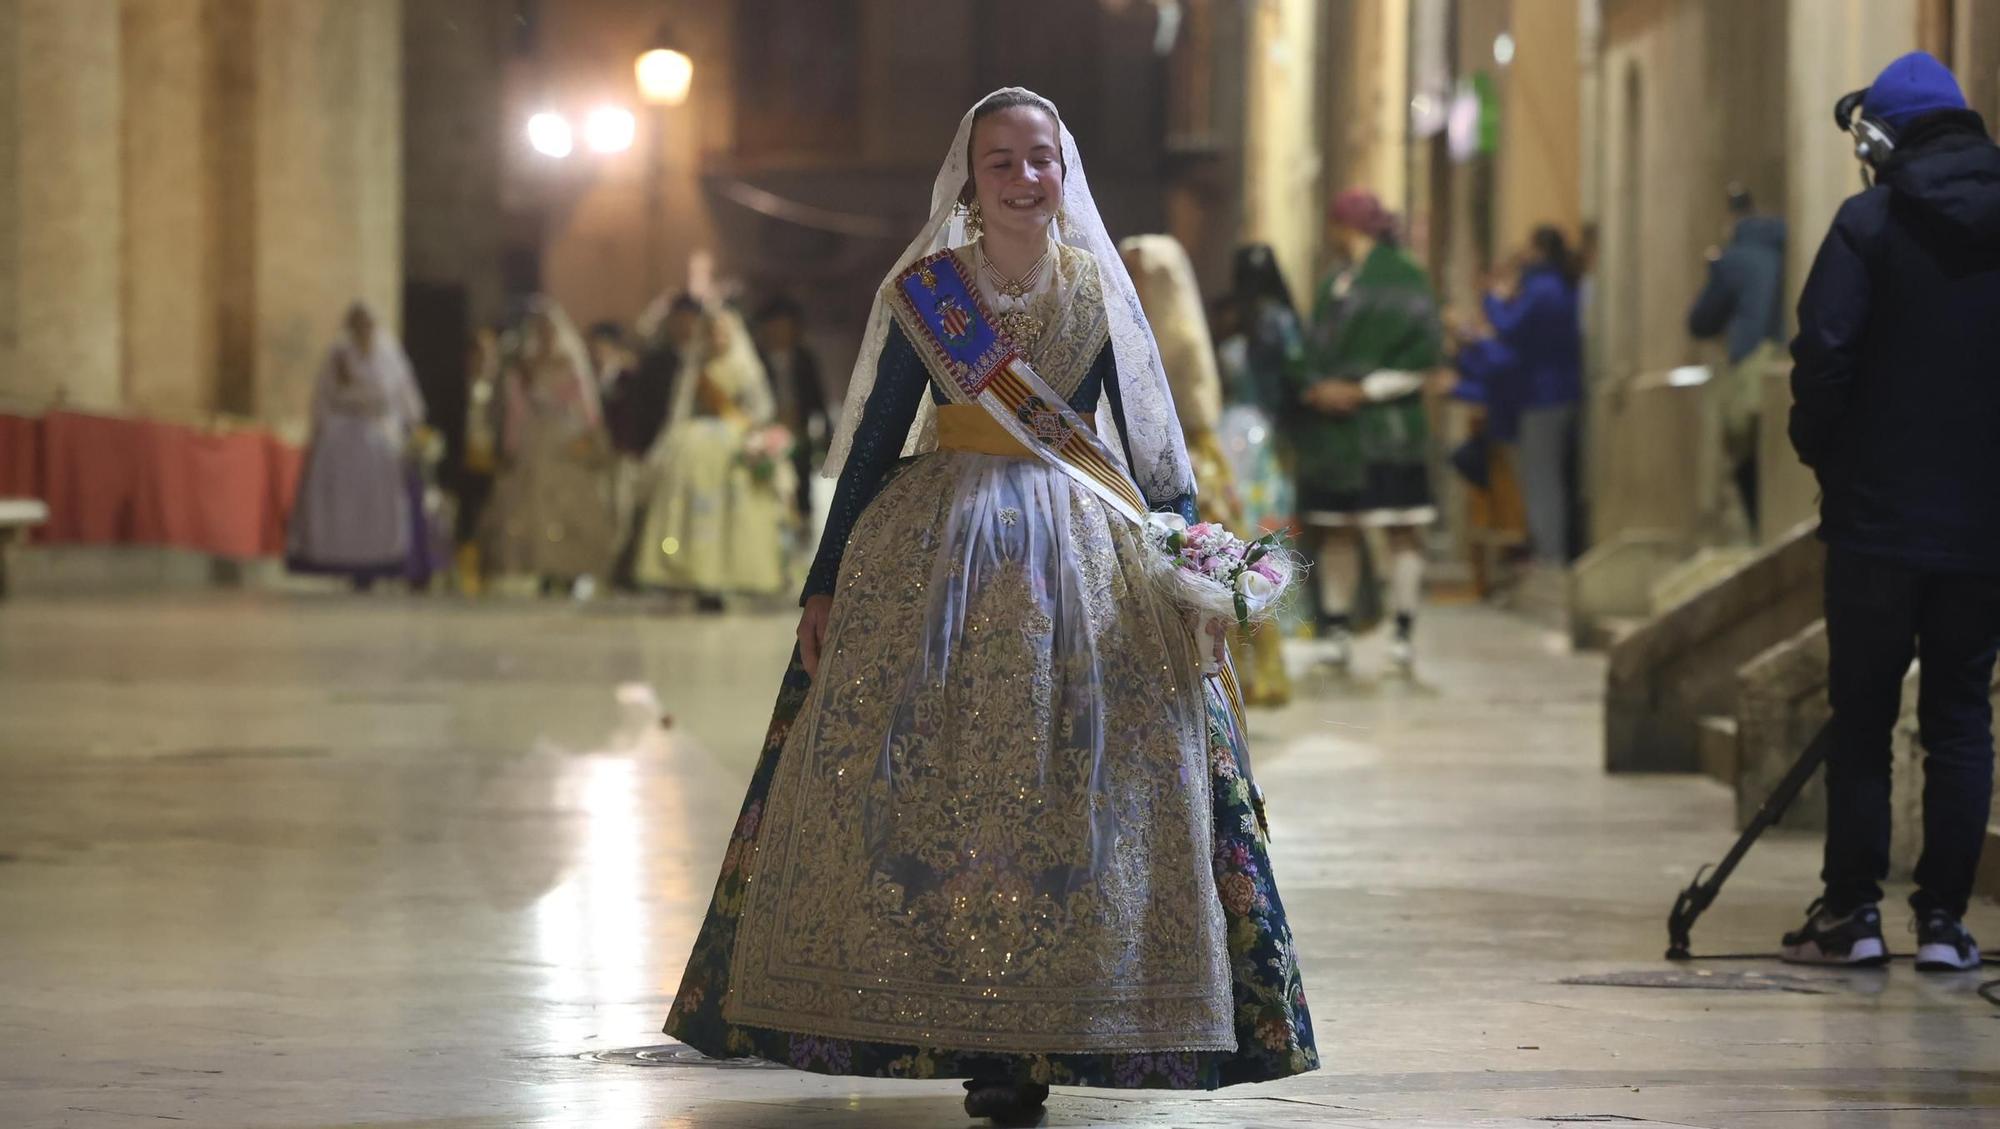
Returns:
(551, 515)
(716, 514)
(1002, 829)
(354, 515)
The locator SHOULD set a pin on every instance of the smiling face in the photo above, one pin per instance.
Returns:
(1017, 171)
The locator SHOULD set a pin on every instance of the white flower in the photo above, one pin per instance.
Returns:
(1255, 586)
(1166, 525)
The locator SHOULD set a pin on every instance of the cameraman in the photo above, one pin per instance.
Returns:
(1896, 408)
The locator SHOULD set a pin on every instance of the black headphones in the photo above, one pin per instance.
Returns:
(1874, 139)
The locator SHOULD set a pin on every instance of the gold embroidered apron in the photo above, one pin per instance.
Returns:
(989, 829)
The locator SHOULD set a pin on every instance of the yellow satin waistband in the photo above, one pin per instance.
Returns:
(969, 427)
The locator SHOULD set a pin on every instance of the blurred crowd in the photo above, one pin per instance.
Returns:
(676, 455)
(673, 455)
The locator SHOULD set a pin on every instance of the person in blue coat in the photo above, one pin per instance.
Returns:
(1538, 323)
(1896, 408)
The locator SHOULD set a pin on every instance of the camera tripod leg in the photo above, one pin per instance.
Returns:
(1691, 903)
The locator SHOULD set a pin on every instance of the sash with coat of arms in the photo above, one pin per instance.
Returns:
(962, 344)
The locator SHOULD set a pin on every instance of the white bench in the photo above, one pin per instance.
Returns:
(17, 516)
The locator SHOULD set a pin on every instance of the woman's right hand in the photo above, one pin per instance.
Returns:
(812, 631)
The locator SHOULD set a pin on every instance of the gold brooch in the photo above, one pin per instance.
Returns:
(1020, 327)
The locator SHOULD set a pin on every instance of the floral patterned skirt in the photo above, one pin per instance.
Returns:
(1273, 1029)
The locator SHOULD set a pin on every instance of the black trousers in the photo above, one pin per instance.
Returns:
(1879, 615)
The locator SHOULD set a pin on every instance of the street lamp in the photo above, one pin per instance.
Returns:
(550, 135)
(664, 75)
(610, 129)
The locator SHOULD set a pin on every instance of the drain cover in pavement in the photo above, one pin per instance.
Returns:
(675, 1054)
(1710, 981)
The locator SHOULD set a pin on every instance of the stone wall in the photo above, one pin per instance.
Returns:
(196, 189)
(170, 211)
(66, 221)
(10, 201)
(1835, 46)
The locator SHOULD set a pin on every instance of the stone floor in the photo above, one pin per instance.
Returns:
(310, 861)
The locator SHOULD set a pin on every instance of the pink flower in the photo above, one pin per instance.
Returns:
(1268, 569)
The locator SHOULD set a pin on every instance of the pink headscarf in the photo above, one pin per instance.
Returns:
(1362, 211)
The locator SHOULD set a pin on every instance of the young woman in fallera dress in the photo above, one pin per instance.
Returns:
(1002, 829)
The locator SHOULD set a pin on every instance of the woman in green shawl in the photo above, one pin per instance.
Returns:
(1360, 434)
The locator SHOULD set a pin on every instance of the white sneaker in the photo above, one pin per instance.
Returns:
(1944, 945)
(1403, 653)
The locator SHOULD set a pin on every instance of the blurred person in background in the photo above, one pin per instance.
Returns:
(1171, 297)
(629, 398)
(667, 331)
(551, 515)
(480, 460)
(1744, 304)
(615, 367)
(1534, 315)
(982, 663)
(1896, 408)
(797, 392)
(1260, 344)
(354, 515)
(1360, 429)
(1486, 377)
(722, 478)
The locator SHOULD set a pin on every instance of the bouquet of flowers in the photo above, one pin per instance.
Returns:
(765, 450)
(1221, 580)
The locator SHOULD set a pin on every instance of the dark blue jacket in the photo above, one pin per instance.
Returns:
(1744, 297)
(1896, 368)
(1490, 374)
(1541, 327)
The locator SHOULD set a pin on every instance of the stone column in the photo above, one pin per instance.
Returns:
(1541, 176)
(1836, 46)
(326, 170)
(1281, 164)
(1976, 57)
(66, 215)
(12, 387)
(169, 215)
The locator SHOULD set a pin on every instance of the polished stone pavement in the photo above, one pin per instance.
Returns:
(311, 861)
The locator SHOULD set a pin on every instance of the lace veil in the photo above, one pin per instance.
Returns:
(1155, 440)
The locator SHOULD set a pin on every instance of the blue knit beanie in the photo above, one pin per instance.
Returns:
(1912, 86)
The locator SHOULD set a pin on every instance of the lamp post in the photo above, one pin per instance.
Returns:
(664, 74)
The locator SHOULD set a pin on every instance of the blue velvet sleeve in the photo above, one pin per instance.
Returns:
(900, 381)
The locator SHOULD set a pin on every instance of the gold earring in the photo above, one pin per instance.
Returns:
(975, 221)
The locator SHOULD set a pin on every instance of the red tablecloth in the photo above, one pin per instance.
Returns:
(111, 481)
